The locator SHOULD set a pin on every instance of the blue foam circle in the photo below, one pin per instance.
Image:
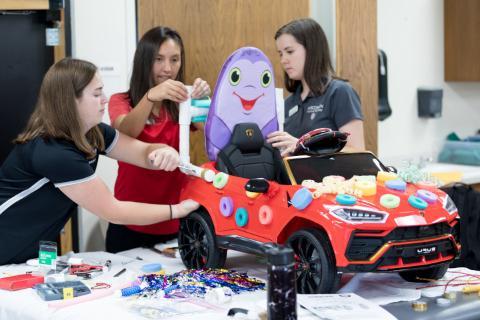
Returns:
(346, 199)
(151, 267)
(301, 199)
(200, 103)
(241, 217)
(396, 184)
(417, 203)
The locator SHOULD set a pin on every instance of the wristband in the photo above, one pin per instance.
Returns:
(171, 211)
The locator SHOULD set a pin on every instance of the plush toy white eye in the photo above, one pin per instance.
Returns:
(234, 76)
(266, 78)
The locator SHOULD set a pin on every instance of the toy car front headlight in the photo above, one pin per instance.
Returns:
(358, 215)
(449, 205)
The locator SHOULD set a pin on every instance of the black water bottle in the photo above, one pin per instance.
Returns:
(282, 289)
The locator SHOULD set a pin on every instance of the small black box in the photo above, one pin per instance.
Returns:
(429, 102)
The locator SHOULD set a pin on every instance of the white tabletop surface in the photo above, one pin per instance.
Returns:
(26, 304)
(470, 174)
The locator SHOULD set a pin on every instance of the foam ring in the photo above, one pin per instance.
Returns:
(151, 267)
(226, 206)
(426, 195)
(333, 179)
(220, 180)
(366, 178)
(383, 176)
(265, 215)
(252, 195)
(396, 184)
(417, 203)
(390, 201)
(346, 199)
(367, 188)
(207, 175)
(241, 217)
(316, 194)
(301, 198)
(426, 184)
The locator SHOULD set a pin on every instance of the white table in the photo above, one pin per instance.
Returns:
(26, 304)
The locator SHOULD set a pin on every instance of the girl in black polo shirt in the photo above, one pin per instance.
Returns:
(319, 99)
(52, 167)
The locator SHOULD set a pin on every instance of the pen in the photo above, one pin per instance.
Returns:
(120, 272)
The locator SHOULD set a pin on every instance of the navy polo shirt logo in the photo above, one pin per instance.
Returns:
(315, 109)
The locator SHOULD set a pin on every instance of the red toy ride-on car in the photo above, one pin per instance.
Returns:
(339, 212)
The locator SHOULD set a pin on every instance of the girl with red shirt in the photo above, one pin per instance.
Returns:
(148, 111)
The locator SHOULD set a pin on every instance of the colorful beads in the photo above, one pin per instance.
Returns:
(396, 184)
(301, 199)
(426, 195)
(345, 199)
(226, 206)
(390, 201)
(417, 203)
(196, 283)
(241, 217)
(367, 188)
(220, 180)
(265, 215)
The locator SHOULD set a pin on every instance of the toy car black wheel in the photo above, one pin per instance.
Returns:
(424, 275)
(197, 242)
(316, 271)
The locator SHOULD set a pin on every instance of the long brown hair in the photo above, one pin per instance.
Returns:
(318, 70)
(142, 78)
(56, 115)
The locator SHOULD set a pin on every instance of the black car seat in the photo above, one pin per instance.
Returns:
(247, 155)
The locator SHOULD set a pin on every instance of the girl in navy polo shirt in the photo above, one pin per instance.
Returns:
(319, 99)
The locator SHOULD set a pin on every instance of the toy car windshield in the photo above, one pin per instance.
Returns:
(315, 168)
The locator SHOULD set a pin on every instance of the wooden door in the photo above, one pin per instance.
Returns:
(356, 58)
(462, 40)
(213, 29)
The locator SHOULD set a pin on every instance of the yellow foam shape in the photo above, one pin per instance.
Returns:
(383, 176)
(448, 177)
(252, 195)
(367, 188)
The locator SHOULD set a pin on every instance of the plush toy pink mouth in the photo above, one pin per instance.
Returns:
(248, 104)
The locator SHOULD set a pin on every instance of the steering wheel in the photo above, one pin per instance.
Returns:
(321, 141)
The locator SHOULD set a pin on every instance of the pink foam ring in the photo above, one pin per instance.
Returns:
(226, 206)
(396, 184)
(426, 195)
(265, 215)
(426, 184)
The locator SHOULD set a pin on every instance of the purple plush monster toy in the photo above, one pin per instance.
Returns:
(245, 92)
